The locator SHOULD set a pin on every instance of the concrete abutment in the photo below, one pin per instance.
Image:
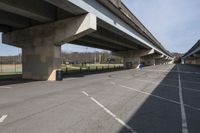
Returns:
(41, 45)
(41, 62)
(132, 59)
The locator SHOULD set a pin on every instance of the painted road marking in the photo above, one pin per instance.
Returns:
(186, 72)
(113, 83)
(70, 79)
(159, 97)
(183, 114)
(184, 81)
(161, 84)
(5, 87)
(3, 118)
(110, 113)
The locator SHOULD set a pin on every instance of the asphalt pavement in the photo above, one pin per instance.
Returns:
(156, 99)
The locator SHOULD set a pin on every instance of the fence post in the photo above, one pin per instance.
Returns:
(66, 69)
(1, 64)
(80, 69)
(15, 68)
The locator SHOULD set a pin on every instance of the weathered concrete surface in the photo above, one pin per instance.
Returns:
(146, 105)
(134, 55)
(41, 62)
(41, 45)
(192, 56)
(146, 57)
(192, 60)
(56, 33)
(36, 23)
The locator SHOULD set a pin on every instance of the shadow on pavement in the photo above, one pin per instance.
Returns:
(85, 73)
(14, 80)
(157, 115)
(17, 79)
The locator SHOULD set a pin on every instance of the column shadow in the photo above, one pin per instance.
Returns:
(158, 114)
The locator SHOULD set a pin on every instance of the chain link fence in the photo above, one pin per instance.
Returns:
(10, 65)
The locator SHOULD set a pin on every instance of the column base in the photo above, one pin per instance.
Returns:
(41, 62)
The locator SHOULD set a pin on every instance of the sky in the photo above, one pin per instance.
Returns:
(175, 23)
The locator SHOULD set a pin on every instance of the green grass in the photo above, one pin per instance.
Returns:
(89, 67)
(9, 72)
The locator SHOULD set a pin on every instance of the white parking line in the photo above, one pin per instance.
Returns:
(186, 72)
(110, 113)
(113, 83)
(183, 114)
(159, 97)
(156, 83)
(5, 87)
(193, 82)
(67, 79)
(3, 118)
(167, 85)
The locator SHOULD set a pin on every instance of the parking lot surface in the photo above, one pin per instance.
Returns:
(156, 99)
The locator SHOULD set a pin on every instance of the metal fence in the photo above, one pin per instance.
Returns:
(10, 65)
(13, 65)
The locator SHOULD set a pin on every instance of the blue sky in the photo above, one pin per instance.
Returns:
(175, 23)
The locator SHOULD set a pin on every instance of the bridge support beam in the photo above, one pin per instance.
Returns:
(153, 59)
(132, 59)
(41, 62)
(41, 45)
(164, 60)
(195, 59)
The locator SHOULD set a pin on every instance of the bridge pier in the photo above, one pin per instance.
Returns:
(192, 60)
(41, 62)
(132, 59)
(41, 45)
(153, 59)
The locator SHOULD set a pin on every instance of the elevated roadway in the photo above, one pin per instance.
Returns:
(192, 56)
(40, 27)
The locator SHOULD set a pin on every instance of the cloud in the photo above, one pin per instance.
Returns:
(175, 23)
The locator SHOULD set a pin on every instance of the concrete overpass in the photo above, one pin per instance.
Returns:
(40, 27)
(193, 55)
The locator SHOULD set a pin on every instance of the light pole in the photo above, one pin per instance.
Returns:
(86, 56)
(1, 63)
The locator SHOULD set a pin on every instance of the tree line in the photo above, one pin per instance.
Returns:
(72, 57)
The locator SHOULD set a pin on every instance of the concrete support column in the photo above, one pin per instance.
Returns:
(148, 61)
(132, 59)
(41, 62)
(131, 62)
(41, 44)
(198, 60)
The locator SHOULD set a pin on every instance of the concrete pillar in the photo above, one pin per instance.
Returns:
(41, 62)
(132, 59)
(152, 59)
(131, 62)
(198, 60)
(148, 61)
(41, 45)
